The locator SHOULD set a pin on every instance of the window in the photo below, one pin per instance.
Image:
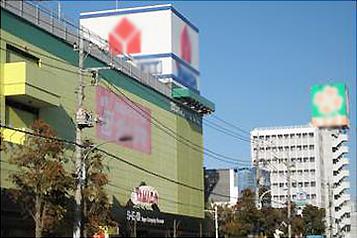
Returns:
(313, 196)
(311, 147)
(300, 184)
(313, 184)
(298, 135)
(306, 159)
(305, 147)
(14, 54)
(312, 159)
(292, 136)
(306, 184)
(19, 115)
(311, 134)
(151, 67)
(281, 185)
(294, 184)
(298, 147)
(312, 171)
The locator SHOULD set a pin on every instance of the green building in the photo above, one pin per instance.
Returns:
(39, 79)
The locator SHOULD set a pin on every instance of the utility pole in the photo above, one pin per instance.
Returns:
(174, 235)
(330, 195)
(216, 220)
(288, 165)
(80, 97)
(257, 173)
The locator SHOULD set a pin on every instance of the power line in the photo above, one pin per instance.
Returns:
(215, 126)
(231, 125)
(183, 140)
(113, 156)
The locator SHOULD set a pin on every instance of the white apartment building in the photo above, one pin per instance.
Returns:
(318, 166)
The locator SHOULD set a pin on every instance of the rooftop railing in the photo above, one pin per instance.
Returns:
(97, 47)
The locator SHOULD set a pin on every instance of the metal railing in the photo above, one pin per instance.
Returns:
(98, 47)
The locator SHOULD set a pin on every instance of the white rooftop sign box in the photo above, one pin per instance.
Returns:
(161, 40)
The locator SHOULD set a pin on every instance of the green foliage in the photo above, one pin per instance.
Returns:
(41, 182)
(313, 220)
(245, 219)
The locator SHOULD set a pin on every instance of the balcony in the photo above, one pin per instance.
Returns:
(28, 84)
(342, 161)
(341, 187)
(14, 136)
(340, 151)
(343, 198)
(341, 138)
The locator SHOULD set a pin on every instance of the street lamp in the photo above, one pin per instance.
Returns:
(120, 139)
(83, 173)
(215, 218)
(260, 205)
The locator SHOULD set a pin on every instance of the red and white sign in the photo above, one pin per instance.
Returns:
(122, 118)
(125, 38)
(145, 195)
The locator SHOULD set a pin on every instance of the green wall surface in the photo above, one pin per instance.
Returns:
(168, 157)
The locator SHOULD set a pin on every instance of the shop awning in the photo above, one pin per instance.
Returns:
(193, 100)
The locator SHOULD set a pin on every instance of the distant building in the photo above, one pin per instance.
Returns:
(221, 186)
(320, 171)
(354, 218)
(247, 179)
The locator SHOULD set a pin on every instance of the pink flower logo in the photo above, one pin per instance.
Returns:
(328, 101)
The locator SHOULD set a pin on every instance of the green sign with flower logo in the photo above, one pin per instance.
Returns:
(329, 105)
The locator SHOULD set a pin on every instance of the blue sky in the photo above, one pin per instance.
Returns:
(258, 61)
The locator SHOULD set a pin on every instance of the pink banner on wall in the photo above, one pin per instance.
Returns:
(123, 119)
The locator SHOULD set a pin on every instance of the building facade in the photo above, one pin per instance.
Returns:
(221, 186)
(319, 169)
(39, 79)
